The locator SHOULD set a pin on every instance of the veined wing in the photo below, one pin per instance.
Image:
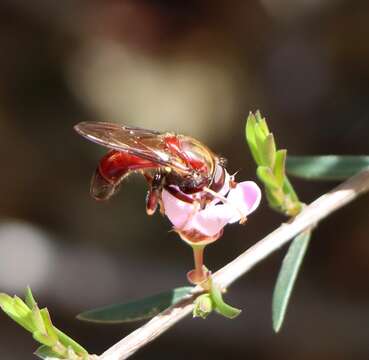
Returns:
(147, 144)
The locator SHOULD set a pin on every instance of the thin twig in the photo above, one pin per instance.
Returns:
(309, 217)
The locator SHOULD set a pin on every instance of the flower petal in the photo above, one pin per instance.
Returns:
(244, 199)
(177, 211)
(211, 220)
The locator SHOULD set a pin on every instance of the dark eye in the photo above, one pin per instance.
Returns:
(218, 178)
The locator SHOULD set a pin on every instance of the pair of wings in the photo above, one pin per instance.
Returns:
(145, 144)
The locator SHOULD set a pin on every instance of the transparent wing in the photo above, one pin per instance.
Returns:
(147, 144)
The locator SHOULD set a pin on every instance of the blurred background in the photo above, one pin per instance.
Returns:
(195, 67)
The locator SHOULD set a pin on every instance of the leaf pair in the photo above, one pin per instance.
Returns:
(38, 322)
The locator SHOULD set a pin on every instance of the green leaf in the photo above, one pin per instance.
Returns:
(287, 277)
(220, 306)
(265, 174)
(250, 136)
(136, 310)
(69, 342)
(262, 123)
(17, 310)
(269, 151)
(43, 338)
(44, 352)
(328, 167)
(49, 327)
(280, 166)
(29, 299)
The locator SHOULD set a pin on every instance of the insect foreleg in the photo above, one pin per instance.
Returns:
(153, 197)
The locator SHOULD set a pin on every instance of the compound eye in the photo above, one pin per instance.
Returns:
(218, 178)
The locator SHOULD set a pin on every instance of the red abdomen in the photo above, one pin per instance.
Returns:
(112, 169)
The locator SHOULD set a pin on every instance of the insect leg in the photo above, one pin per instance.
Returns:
(153, 197)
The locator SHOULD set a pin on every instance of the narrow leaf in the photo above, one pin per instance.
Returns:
(43, 338)
(287, 277)
(280, 166)
(29, 299)
(220, 306)
(269, 151)
(136, 310)
(17, 311)
(69, 342)
(50, 329)
(328, 167)
(250, 136)
(266, 175)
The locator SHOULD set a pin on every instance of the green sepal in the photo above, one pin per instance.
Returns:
(135, 310)
(220, 306)
(287, 277)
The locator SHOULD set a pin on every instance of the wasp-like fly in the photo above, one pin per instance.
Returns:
(180, 164)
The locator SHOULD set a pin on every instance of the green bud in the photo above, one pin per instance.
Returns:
(203, 306)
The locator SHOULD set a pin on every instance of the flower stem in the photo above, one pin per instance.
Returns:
(197, 275)
(198, 255)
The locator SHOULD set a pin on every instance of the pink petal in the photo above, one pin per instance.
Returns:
(244, 199)
(210, 220)
(177, 211)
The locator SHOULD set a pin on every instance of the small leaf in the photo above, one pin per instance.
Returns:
(44, 352)
(327, 167)
(220, 306)
(265, 174)
(262, 123)
(269, 150)
(136, 310)
(29, 299)
(250, 136)
(69, 342)
(280, 166)
(43, 338)
(262, 147)
(50, 329)
(17, 310)
(287, 277)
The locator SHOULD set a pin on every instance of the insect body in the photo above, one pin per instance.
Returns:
(180, 164)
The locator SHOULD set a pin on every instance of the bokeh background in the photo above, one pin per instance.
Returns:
(195, 67)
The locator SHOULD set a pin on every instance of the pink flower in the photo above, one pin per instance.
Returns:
(202, 226)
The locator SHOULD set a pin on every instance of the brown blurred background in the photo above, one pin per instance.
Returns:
(196, 67)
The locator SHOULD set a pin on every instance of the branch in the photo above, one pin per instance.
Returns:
(309, 217)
